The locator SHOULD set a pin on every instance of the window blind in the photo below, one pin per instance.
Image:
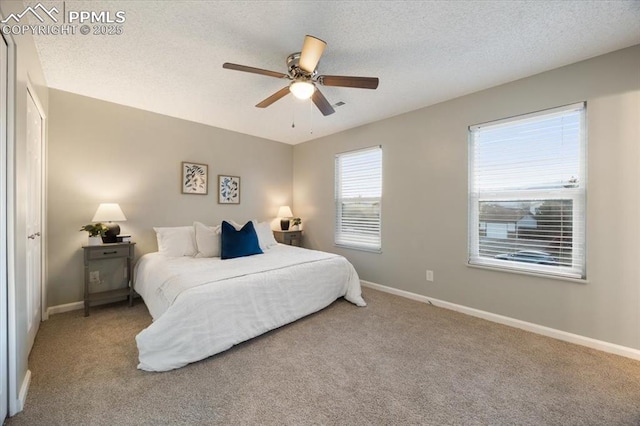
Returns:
(527, 187)
(358, 198)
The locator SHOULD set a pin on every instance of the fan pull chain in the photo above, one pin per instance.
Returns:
(310, 117)
(293, 115)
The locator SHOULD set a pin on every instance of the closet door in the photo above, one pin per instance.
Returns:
(4, 376)
(35, 139)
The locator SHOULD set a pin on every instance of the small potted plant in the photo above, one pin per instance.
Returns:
(296, 224)
(96, 232)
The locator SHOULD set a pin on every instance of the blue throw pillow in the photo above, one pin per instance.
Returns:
(239, 243)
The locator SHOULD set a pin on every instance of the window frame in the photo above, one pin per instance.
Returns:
(339, 237)
(578, 195)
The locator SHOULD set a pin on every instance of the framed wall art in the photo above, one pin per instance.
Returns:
(228, 189)
(194, 178)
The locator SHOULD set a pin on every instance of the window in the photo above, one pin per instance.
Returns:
(527, 192)
(358, 198)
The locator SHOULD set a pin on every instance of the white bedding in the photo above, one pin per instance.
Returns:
(203, 306)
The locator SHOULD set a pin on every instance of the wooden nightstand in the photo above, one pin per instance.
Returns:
(105, 252)
(292, 238)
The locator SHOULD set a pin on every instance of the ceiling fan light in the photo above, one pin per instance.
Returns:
(302, 89)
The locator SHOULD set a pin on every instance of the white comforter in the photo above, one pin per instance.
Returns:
(203, 306)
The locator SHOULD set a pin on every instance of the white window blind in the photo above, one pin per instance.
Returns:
(527, 188)
(358, 198)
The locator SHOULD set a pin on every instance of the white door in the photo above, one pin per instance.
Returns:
(34, 216)
(4, 369)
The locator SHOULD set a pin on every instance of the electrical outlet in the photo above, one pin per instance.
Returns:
(94, 277)
(429, 275)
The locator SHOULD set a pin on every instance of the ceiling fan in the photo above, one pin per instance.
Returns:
(303, 76)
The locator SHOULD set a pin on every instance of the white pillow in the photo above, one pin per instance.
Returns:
(176, 241)
(207, 240)
(265, 235)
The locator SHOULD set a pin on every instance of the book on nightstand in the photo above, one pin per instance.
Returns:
(124, 238)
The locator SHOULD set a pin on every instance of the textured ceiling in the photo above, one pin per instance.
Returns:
(169, 58)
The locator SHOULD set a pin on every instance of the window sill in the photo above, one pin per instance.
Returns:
(529, 273)
(370, 250)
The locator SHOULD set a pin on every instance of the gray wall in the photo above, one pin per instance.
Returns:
(425, 201)
(27, 68)
(104, 152)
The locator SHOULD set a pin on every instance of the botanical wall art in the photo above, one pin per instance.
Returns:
(228, 189)
(194, 178)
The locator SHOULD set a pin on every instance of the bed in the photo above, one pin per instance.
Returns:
(202, 306)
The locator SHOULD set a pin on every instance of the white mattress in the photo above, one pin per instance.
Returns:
(203, 306)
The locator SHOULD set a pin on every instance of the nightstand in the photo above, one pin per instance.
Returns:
(103, 252)
(292, 238)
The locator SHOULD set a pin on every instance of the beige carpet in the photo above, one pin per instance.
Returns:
(394, 362)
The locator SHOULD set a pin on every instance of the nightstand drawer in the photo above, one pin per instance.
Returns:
(108, 252)
(292, 238)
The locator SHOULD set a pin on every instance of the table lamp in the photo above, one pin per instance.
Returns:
(109, 213)
(284, 212)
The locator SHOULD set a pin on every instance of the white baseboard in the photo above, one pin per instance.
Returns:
(18, 404)
(58, 309)
(512, 322)
(24, 389)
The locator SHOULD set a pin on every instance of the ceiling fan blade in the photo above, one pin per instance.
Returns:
(253, 70)
(312, 49)
(276, 96)
(322, 103)
(344, 81)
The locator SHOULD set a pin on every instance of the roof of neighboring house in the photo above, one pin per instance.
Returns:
(498, 213)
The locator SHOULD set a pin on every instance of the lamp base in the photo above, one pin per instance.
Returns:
(284, 224)
(111, 236)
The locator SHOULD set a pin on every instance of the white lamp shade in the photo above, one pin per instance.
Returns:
(285, 211)
(302, 89)
(109, 212)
